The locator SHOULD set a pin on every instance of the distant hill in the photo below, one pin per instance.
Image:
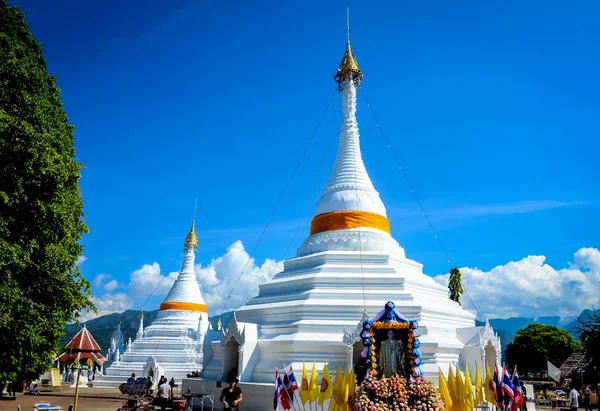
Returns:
(572, 326)
(102, 327)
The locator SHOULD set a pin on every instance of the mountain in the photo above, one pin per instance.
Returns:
(584, 316)
(102, 327)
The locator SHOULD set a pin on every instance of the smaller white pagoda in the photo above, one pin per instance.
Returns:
(117, 346)
(173, 344)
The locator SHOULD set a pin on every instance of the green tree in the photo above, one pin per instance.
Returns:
(41, 211)
(455, 287)
(538, 343)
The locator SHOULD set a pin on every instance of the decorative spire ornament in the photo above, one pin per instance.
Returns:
(348, 68)
(191, 241)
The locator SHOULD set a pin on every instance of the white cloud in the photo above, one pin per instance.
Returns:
(80, 260)
(221, 275)
(100, 278)
(108, 304)
(222, 283)
(112, 285)
(148, 279)
(531, 288)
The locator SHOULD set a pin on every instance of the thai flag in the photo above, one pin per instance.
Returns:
(292, 378)
(516, 382)
(288, 387)
(507, 388)
(498, 387)
(281, 395)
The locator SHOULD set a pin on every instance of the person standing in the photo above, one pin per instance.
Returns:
(573, 399)
(162, 396)
(587, 399)
(231, 396)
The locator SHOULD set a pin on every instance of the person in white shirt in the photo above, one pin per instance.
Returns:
(162, 396)
(573, 399)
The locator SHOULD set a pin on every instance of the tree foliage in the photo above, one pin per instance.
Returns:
(588, 330)
(538, 343)
(455, 287)
(41, 211)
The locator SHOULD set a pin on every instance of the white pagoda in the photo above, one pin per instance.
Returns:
(173, 344)
(344, 272)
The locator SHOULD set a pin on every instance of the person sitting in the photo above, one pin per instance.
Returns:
(131, 380)
(231, 396)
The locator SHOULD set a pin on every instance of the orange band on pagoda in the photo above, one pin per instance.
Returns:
(339, 220)
(184, 306)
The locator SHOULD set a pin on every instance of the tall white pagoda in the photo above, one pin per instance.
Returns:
(344, 272)
(173, 344)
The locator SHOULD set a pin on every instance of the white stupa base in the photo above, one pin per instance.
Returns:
(168, 347)
(302, 313)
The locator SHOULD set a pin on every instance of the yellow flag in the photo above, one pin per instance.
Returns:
(460, 391)
(468, 395)
(489, 394)
(90, 363)
(313, 388)
(451, 384)
(352, 388)
(342, 400)
(337, 385)
(478, 388)
(444, 391)
(304, 385)
(77, 364)
(326, 386)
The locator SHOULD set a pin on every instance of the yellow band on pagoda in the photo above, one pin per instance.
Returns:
(181, 306)
(339, 220)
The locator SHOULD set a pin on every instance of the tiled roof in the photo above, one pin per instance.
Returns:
(83, 356)
(83, 341)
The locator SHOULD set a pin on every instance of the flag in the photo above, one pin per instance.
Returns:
(326, 386)
(452, 385)
(478, 388)
(553, 372)
(337, 385)
(468, 393)
(281, 395)
(292, 378)
(288, 388)
(498, 384)
(278, 384)
(342, 398)
(444, 391)
(313, 387)
(490, 386)
(352, 386)
(304, 386)
(507, 389)
(516, 383)
(460, 391)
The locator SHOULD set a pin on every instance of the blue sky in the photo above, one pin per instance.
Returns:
(491, 107)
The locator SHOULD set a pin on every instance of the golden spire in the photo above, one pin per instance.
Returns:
(348, 68)
(192, 239)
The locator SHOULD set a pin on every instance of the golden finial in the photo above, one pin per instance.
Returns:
(192, 239)
(142, 315)
(219, 324)
(348, 68)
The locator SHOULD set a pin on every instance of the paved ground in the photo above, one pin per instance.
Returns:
(95, 399)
